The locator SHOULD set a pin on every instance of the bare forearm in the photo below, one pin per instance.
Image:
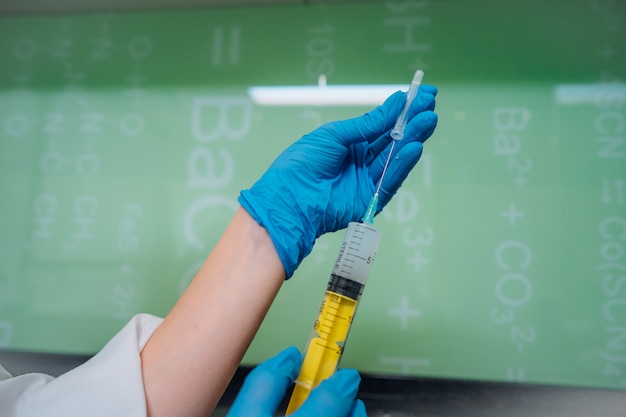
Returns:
(190, 358)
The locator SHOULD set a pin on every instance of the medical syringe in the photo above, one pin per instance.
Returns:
(345, 286)
(335, 316)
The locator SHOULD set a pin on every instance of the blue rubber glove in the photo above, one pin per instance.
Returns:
(266, 385)
(326, 179)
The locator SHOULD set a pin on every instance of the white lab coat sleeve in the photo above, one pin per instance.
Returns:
(109, 384)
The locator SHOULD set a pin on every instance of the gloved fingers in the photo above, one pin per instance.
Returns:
(371, 125)
(358, 409)
(334, 397)
(423, 102)
(376, 147)
(418, 129)
(427, 88)
(377, 166)
(397, 171)
(266, 385)
(378, 122)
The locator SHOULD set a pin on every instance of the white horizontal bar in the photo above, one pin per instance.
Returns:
(329, 95)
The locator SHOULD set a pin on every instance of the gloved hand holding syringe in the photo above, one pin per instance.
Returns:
(348, 278)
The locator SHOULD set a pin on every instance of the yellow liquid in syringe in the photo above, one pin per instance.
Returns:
(335, 316)
(325, 348)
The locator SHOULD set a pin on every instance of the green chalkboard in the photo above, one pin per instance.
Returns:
(126, 137)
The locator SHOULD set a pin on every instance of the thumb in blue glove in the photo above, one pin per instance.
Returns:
(325, 180)
(266, 385)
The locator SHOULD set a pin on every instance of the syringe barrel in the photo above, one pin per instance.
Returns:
(357, 252)
(330, 331)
